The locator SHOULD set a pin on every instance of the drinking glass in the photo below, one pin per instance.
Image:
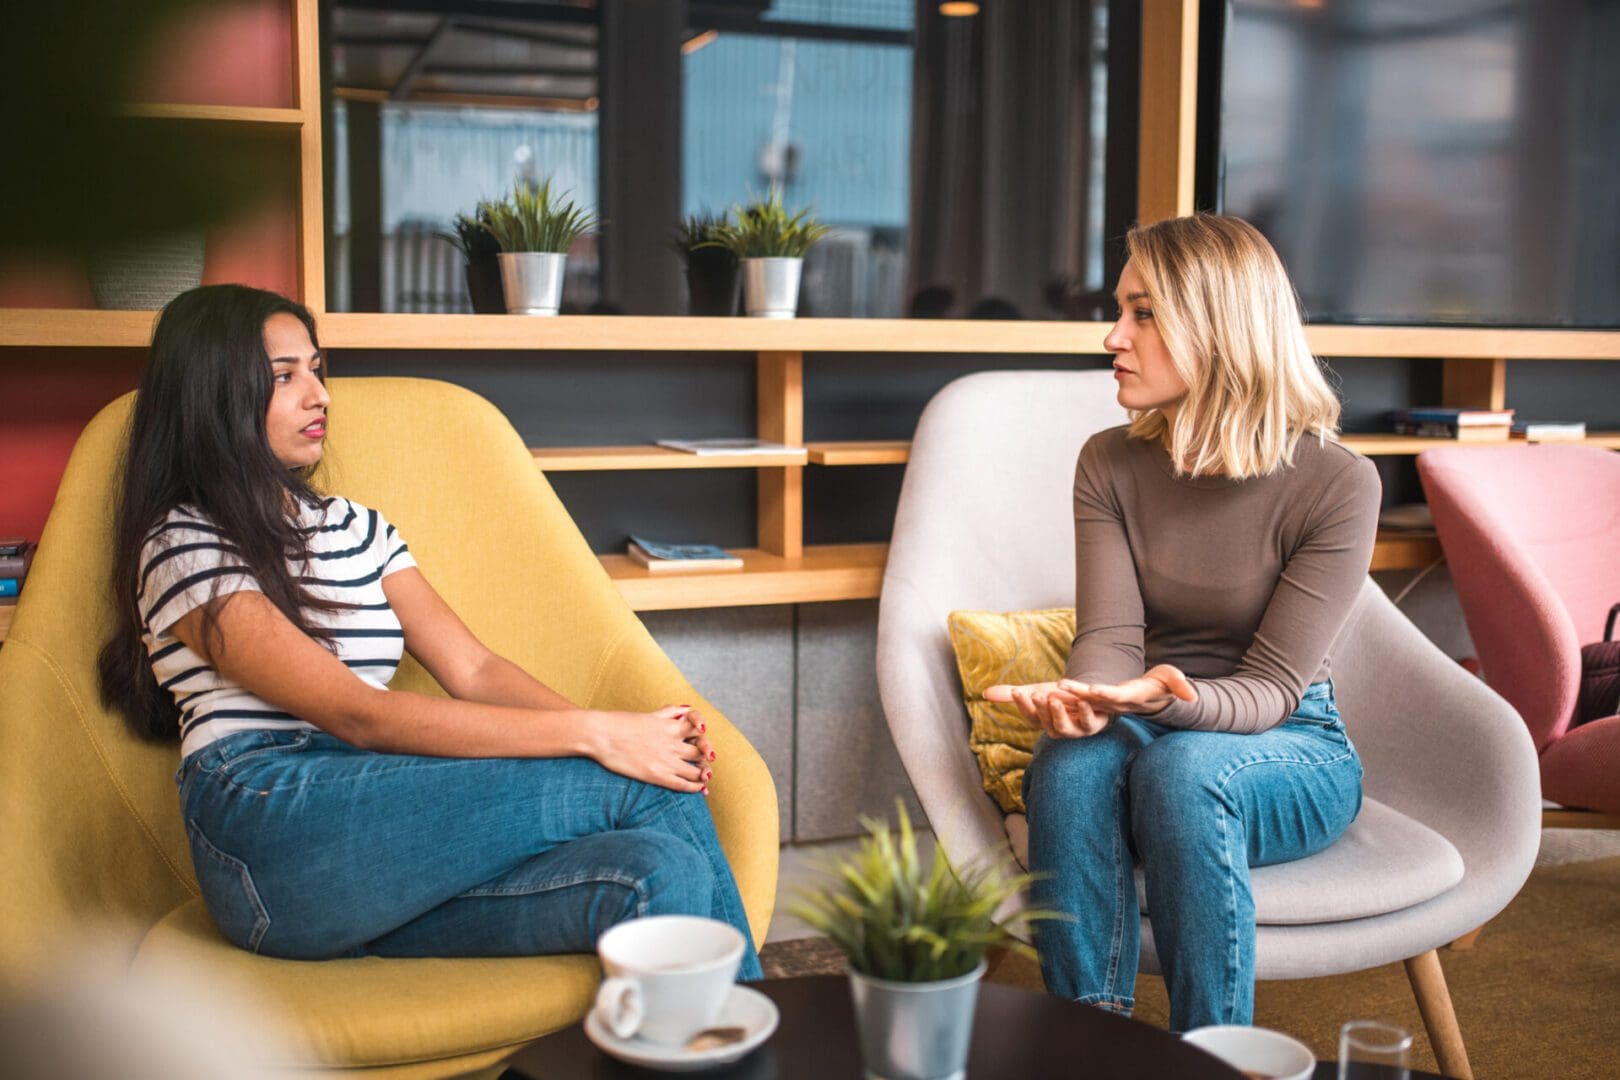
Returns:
(1370, 1050)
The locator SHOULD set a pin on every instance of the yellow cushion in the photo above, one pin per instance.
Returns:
(1006, 647)
(371, 1012)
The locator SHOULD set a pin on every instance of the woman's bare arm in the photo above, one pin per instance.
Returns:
(262, 651)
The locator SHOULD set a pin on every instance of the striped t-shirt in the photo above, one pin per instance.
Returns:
(187, 561)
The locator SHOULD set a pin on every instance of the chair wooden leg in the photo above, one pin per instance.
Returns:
(1434, 1002)
(1468, 939)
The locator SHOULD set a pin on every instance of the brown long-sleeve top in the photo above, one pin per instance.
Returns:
(1242, 584)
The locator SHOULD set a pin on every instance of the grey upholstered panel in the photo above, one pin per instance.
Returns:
(1384, 862)
(844, 765)
(985, 522)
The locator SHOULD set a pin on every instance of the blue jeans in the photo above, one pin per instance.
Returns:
(1198, 808)
(308, 848)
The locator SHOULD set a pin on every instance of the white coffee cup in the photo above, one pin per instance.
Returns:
(667, 976)
(1256, 1050)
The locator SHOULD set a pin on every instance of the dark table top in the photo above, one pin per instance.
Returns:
(1017, 1033)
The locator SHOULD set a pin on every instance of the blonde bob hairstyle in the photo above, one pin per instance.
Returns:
(1230, 321)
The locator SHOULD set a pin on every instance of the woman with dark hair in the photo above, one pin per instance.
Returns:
(260, 622)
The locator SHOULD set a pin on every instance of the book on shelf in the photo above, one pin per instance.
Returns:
(1550, 430)
(1462, 425)
(731, 447)
(661, 557)
(9, 587)
(15, 557)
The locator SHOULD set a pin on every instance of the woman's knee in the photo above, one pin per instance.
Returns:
(671, 876)
(1174, 775)
(1071, 769)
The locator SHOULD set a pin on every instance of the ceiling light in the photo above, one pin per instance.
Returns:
(694, 44)
(958, 7)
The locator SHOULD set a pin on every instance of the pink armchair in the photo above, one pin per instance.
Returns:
(1532, 537)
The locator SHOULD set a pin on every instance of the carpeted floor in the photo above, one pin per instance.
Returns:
(1537, 996)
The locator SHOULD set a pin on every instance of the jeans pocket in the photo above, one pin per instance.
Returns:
(262, 744)
(228, 890)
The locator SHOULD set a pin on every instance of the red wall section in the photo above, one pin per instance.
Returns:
(234, 52)
(46, 398)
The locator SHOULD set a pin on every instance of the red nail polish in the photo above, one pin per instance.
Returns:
(711, 755)
(707, 774)
(703, 726)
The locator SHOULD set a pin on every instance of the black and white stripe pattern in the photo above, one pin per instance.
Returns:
(188, 561)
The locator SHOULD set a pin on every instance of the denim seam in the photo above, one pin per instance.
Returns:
(568, 881)
(1108, 1001)
(1117, 944)
(1226, 852)
(261, 916)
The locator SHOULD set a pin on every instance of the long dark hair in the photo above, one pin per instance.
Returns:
(197, 438)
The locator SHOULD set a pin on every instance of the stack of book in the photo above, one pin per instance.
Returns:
(1463, 425)
(1549, 430)
(661, 557)
(740, 448)
(16, 554)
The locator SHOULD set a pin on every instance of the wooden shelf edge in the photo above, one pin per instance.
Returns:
(823, 573)
(245, 115)
(1374, 445)
(637, 458)
(885, 452)
(681, 333)
(54, 327)
(934, 336)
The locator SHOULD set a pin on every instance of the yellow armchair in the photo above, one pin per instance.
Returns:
(90, 831)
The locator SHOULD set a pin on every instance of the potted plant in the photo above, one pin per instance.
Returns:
(534, 230)
(771, 244)
(713, 276)
(478, 246)
(915, 940)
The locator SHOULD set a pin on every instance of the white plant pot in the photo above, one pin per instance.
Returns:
(532, 281)
(915, 1031)
(771, 287)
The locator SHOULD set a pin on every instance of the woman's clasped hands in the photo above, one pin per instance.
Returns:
(1067, 709)
(667, 747)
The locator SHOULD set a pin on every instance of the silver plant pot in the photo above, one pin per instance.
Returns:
(532, 281)
(771, 287)
(915, 1031)
(144, 275)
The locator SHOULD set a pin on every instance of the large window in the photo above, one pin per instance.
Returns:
(960, 162)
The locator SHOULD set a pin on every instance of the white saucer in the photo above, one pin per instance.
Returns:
(745, 1007)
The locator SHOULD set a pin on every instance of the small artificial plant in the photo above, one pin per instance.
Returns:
(895, 920)
(472, 236)
(531, 218)
(764, 229)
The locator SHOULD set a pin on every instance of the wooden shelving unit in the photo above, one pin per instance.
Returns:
(781, 569)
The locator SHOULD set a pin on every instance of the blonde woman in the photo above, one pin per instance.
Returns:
(1221, 538)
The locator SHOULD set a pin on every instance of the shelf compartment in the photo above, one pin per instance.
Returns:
(822, 573)
(1404, 550)
(886, 452)
(235, 115)
(630, 458)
